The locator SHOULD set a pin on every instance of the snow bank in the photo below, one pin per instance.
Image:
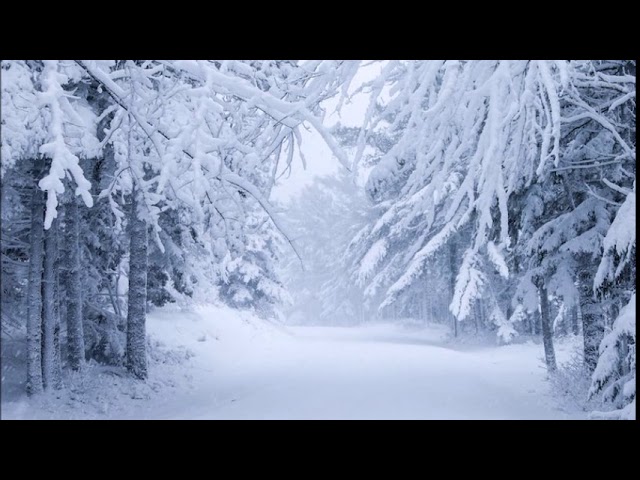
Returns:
(186, 348)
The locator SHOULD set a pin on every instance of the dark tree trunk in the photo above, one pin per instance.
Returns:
(575, 323)
(75, 330)
(526, 323)
(477, 317)
(50, 325)
(34, 293)
(535, 321)
(452, 283)
(592, 322)
(136, 359)
(57, 351)
(547, 330)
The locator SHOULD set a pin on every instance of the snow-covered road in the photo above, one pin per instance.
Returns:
(371, 372)
(375, 372)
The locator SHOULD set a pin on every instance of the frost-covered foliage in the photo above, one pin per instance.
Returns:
(571, 382)
(251, 280)
(207, 138)
(619, 244)
(526, 169)
(182, 152)
(467, 136)
(23, 122)
(615, 375)
(41, 116)
(14, 231)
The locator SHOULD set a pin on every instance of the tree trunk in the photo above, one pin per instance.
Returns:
(526, 323)
(623, 352)
(592, 324)
(136, 315)
(547, 330)
(57, 352)
(535, 319)
(50, 366)
(34, 293)
(574, 320)
(562, 327)
(452, 282)
(75, 331)
(579, 310)
(477, 318)
(482, 317)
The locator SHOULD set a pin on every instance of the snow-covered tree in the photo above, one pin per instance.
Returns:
(43, 124)
(323, 220)
(470, 137)
(160, 143)
(615, 373)
(251, 279)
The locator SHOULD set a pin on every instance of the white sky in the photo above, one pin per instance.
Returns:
(320, 160)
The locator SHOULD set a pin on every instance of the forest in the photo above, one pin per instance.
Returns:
(471, 214)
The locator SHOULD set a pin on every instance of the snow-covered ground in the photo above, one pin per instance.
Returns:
(216, 363)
